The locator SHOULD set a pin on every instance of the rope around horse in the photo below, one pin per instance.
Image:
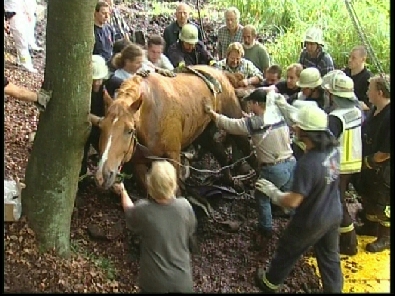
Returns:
(204, 171)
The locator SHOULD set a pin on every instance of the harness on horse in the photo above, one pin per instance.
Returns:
(212, 83)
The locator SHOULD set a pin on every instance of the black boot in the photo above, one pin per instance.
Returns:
(348, 243)
(260, 283)
(383, 241)
(369, 228)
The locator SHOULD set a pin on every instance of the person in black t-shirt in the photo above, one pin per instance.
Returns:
(357, 71)
(288, 87)
(375, 178)
(100, 95)
(318, 210)
(104, 33)
(272, 76)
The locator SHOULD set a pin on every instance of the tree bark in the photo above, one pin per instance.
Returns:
(54, 164)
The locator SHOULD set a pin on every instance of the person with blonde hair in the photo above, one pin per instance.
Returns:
(234, 62)
(288, 87)
(167, 225)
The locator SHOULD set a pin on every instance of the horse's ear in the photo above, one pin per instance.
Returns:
(136, 105)
(107, 100)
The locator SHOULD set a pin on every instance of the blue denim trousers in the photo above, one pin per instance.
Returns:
(281, 175)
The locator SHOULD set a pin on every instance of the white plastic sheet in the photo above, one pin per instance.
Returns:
(12, 193)
(272, 113)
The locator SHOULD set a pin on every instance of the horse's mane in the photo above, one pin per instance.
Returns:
(129, 90)
(234, 78)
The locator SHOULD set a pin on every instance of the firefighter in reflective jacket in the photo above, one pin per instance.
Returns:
(340, 90)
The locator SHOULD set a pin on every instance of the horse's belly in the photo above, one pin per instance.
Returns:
(192, 128)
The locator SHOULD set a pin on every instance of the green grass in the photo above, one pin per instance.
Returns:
(292, 17)
(103, 263)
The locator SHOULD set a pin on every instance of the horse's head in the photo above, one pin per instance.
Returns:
(118, 134)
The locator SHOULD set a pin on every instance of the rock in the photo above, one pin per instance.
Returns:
(96, 232)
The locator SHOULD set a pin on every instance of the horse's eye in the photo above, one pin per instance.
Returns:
(130, 131)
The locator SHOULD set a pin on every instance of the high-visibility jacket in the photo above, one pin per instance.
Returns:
(350, 139)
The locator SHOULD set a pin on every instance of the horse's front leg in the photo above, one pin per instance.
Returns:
(141, 169)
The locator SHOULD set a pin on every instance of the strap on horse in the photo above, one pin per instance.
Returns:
(212, 83)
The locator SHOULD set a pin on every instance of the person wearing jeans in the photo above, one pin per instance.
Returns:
(273, 148)
(281, 174)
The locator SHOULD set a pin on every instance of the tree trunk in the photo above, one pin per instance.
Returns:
(54, 164)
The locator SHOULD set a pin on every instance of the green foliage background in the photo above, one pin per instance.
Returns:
(291, 18)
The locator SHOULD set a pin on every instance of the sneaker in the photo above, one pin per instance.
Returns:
(29, 68)
(35, 47)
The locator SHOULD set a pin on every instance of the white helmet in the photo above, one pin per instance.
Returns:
(309, 78)
(328, 76)
(189, 34)
(314, 35)
(311, 118)
(99, 68)
(340, 85)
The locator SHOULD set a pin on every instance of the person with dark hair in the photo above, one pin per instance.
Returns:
(99, 95)
(189, 50)
(314, 196)
(272, 75)
(155, 46)
(313, 53)
(103, 32)
(274, 153)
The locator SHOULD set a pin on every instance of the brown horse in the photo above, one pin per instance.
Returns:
(165, 114)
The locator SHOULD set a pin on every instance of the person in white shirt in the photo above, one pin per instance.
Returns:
(18, 18)
(31, 9)
(154, 53)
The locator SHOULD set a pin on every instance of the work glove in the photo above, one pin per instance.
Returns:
(143, 73)
(279, 99)
(164, 72)
(180, 67)
(43, 97)
(271, 191)
(213, 63)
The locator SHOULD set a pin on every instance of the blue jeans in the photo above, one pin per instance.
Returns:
(281, 175)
